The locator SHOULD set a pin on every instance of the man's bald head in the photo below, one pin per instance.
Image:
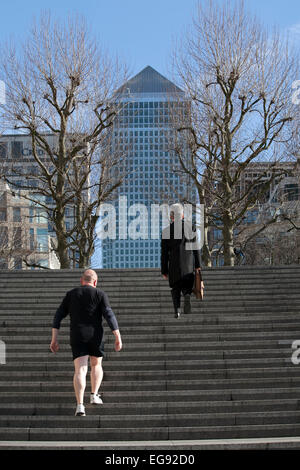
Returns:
(89, 277)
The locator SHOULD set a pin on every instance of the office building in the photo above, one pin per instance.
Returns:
(143, 131)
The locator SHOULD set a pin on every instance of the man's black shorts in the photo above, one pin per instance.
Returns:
(90, 348)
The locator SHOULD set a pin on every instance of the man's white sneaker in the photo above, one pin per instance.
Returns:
(80, 410)
(95, 399)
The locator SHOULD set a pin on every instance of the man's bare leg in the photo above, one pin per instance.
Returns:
(79, 380)
(96, 373)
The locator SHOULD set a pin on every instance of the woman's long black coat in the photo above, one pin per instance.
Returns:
(176, 260)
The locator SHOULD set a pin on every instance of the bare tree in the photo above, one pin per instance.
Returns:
(60, 91)
(272, 236)
(93, 182)
(275, 246)
(238, 79)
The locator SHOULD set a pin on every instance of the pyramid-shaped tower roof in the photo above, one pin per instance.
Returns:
(150, 81)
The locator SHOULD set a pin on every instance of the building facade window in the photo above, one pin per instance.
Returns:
(17, 149)
(44, 263)
(17, 214)
(42, 239)
(31, 238)
(17, 263)
(3, 149)
(292, 192)
(41, 216)
(17, 238)
(3, 214)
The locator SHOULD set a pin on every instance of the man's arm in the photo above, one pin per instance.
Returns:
(61, 313)
(118, 340)
(111, 321)
(54, 343)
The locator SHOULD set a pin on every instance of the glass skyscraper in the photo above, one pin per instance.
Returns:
(144, 132)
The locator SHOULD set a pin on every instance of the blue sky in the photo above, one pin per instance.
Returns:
(141, 32)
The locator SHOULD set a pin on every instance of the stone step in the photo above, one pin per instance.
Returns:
(131, 288)
(140, 375)
(138, 315)
(199, 317)
(55, 363)
(263, 281)
(159, 446)
(158, 308)
(165, 433)
(153, 420)
(120, 291)
(186, 323)
(149, 408)
(163, 300)
(187, 334)
(156, 385)
(212, 305)
(170, 330)
(143, 396)
(243, 354)
(125, 295)
(162, 347)
(140, 296)
(129, 293)
(42, 336)
(153, 344)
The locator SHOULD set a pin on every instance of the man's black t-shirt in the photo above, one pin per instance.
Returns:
(86, 306)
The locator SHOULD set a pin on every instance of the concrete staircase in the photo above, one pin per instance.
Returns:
(223, 372)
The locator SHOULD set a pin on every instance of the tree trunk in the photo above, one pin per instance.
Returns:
(84, 261)
(228, 239)
(206, 254)
(62, 252)
(205, 251)
(62, 248)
